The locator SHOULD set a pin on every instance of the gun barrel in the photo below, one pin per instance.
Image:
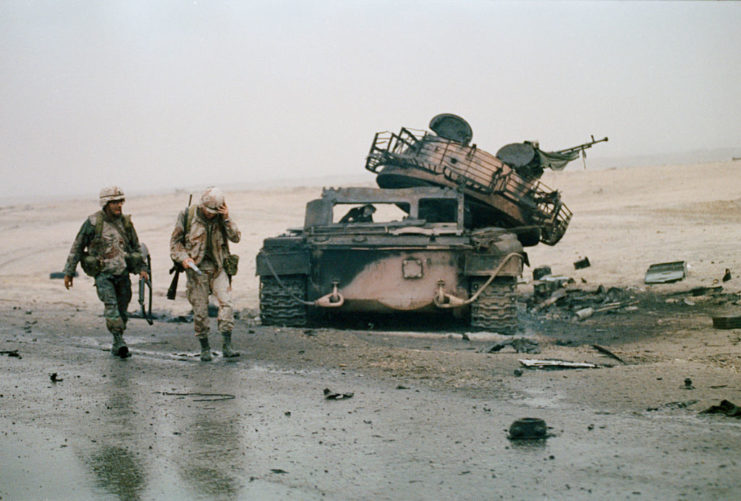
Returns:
(584, 146)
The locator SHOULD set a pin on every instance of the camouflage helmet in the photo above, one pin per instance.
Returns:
(212, 199)
(111, 194)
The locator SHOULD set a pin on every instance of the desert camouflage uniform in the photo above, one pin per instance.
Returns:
(205, 244)
(112, 283)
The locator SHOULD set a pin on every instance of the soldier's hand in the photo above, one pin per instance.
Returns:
(224, 211)
(187, 263)
(68, 281)
(143, 274)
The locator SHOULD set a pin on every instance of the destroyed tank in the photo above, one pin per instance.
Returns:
(373, 250)
(456, 246)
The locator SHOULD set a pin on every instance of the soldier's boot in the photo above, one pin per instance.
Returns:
(119, 347)
(205, 350)
(227, 348)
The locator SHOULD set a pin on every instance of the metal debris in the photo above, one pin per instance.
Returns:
(520, 345)
(727, 321)
(331, 395)
(528, 429)
(607, 352)
(555, 364)
(664, 273)
(727, 275)
(11, 353)
(582, 263)
(726, 408)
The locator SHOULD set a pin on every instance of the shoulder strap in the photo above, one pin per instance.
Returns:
(99, 224)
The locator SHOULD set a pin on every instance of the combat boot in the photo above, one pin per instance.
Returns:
(227, 348)
(205, 350)
(119, 347)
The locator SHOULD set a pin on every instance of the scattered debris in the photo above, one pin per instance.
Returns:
(607, 352)
(558, 294)
(541, 271)
(278, 471)
(11, 353)
(582, 263)
(331, 395)
(727, 275)
(401, 387)
(673, 405)
(703, 291)
(520, 345)
(688, 384)
(55, 378)
(528, 429)
(727, 322)
(726, 407)
(584, 313)
(664, 273)
(206, 397)
(309, 332)
(518, 372)
(555, 364)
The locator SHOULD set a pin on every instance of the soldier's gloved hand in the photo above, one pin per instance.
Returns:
(224, 211)
(187, 263)
(68, 281)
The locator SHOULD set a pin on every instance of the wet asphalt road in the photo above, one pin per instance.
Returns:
(153, 427)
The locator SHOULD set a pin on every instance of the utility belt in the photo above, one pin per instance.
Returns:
(92, 265)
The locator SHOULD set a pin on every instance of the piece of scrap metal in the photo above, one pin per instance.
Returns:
(556, 364)
(664, 273)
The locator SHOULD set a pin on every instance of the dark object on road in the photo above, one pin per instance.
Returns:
(727, 322)
(607, 352)
(582, 263)
(331, 395)
(520, 345)
(205, 397)
(688, 384)
(703, 291)
(726, 408)
(59, 275)
(541, 271)
(664, 273)
(727, 275)
(517, 372)
(55, 378)
(425, 261)
(528, 429)
(11, 353)
(278, 471)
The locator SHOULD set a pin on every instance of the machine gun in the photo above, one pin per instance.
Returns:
(144, 284)
(575, 150)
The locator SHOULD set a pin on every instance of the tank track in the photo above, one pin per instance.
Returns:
(496, 307)
(277, 306)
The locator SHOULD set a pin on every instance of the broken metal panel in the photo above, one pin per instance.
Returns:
(664, 273)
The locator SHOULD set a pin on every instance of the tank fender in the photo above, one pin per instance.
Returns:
(284, 263)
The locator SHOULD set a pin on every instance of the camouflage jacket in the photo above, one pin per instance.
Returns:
(111, 248)
(194, 245)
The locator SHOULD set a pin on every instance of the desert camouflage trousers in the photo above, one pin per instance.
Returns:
(199, 287)
(115, 292)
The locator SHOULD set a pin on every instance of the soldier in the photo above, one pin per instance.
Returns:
(108, 249)
(199, 243)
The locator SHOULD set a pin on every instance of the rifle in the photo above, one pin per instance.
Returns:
(580, 148)
(143, 284)
(177, 268)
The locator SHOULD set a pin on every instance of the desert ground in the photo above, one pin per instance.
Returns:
(431, 404)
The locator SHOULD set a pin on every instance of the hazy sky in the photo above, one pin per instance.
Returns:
(166, 93)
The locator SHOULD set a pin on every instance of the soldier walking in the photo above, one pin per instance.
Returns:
(199, 243)
(107, 247)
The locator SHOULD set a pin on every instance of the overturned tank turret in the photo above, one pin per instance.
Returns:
(500, 190)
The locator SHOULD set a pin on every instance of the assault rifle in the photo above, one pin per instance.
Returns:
(177, 268)
(144, 283)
